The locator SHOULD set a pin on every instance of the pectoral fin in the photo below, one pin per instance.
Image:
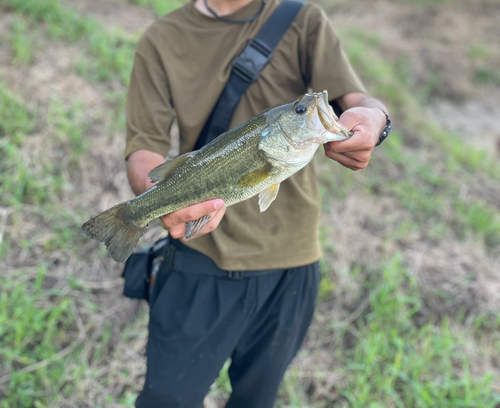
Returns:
(254, 178)
(161, 172)
(267, 196)
(193, 227)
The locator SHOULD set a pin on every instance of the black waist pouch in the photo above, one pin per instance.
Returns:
(138, 270)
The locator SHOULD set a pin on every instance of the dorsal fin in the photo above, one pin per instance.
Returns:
(161, 172)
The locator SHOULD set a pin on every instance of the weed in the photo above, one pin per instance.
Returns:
(108, 54)
(108, 57)
(21, 43)
(16, 120)
(396, 363)
(478, 51)
(161, 7)
(29, 175)
(35, 322)
(222, 385)
(61, 22)
(481, 219)
(69, 128)
(389, 83)
(487, 76)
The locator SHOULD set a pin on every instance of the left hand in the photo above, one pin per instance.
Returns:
(354, 153)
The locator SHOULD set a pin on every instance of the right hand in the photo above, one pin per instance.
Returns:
(176, 221)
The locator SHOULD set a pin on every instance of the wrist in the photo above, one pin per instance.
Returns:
(386, 129)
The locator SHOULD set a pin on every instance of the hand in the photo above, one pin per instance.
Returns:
(354, 153)
(176, 221)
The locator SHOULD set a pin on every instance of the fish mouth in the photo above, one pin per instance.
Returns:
(326, 122)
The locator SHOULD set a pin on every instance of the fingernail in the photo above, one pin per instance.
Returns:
(219, 204)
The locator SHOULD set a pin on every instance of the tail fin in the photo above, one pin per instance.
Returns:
(115, 228)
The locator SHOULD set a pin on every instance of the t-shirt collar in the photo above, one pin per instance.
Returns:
(245, 12)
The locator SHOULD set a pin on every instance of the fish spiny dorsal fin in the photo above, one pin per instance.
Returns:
(267, 196)
(161, 172)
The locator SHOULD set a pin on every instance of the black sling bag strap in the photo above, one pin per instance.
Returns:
(246, 69)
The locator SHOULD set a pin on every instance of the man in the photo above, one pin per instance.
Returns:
(199, 319)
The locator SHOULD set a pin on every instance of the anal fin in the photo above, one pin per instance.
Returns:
(161, 172)
(193, 227)
(267, 196)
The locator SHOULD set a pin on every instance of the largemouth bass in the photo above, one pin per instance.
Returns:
(253, 158)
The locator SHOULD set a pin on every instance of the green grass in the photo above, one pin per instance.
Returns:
(107, 54)
(17, 179)
(478, 51)
(36, 323)
(394, 87)
(479, 218)
(31, 176)
(397, 363)
(21, 42)
(161, 7)
(60, 21)
(388, 360)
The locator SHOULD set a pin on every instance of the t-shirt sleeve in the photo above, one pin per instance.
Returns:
(325, 65)
(149, 109)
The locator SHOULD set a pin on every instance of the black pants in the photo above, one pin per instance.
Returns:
(199, 320)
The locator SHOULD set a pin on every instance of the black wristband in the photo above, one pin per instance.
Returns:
(386, 131)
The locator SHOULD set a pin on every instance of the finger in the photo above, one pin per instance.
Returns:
(361, 156)
(350, 119)
(360, 140)
(213, 223)
(192, 212)
(162, 222)
(347, 161)
(179, 230)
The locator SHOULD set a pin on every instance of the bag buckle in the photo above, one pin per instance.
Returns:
(250, 62)
(235, 274)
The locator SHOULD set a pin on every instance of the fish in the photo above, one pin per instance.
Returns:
(250, 159)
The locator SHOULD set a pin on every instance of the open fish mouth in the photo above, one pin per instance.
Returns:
(325, 121)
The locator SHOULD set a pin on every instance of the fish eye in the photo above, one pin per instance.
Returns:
(300, 109)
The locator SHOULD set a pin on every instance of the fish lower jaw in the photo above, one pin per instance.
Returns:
(327, 136)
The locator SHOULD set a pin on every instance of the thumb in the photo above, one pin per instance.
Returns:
(349, 119)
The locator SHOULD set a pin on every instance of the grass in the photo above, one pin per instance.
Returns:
(396, 363)
(160, 7)
(30, 177)
(36, 323)
(20, 42)
(394, 87)
(395, 352)
(108, 54)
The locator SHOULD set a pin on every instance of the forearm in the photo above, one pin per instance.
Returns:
(139, 164)
(357, 99)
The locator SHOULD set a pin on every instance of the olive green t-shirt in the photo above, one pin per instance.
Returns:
(181, 66)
